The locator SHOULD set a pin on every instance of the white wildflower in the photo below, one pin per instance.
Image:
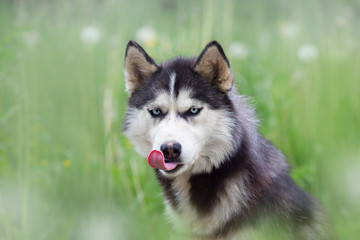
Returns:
(351, 175)
(31, 38)
(90, 35)
(307, 53)
(99, 226)
(340, 21)
(288, 29)
(146, 35)
(239, 50)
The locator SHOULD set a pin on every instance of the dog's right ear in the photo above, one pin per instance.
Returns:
(138, 66)
(214, 67)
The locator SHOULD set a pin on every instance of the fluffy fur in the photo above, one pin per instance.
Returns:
(229, 177)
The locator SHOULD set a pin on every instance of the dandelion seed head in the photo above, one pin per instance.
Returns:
(288, 29)
(101, 226)
(146, 35)
(31, 38)
(307, 53)
(340, 21)
(353, 178)
(239, 50)
(90, 35)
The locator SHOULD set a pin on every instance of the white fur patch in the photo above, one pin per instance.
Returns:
(127, 88)
(172, 84)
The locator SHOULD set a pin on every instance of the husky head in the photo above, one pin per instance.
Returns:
(181, 107)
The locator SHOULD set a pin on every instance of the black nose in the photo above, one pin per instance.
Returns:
(171, 150)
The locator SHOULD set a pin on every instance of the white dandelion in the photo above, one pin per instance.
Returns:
(340, 21)
(353, 178)
(99, 227)
(350, 175)
(31, 38)
(288, 29)
(307, 53)
(146, 35)
(239, 50)
(90, 35)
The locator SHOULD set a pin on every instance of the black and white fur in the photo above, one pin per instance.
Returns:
(229, 178)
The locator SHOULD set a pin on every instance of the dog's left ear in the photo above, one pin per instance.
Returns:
(139, 66)
(213, 66)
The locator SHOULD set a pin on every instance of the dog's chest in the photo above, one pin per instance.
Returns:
(180, 210)
(189, 216)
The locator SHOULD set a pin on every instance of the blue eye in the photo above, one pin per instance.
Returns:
(156, 112)
(193, 111)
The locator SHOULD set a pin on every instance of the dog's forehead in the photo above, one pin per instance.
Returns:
(179, 103)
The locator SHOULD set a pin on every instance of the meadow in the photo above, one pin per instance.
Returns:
(68, 172)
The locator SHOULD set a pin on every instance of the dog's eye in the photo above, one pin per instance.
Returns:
(193, 111)
(156, 112)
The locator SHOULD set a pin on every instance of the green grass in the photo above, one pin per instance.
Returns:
(66, 170)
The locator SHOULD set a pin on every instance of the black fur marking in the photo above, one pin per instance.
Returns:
(207, 188)
(146, 92)
(298, 201)
(188, 79)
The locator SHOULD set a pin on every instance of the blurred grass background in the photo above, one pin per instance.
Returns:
(66, 170)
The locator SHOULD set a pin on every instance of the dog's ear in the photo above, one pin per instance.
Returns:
(138, 66)
(213, 66)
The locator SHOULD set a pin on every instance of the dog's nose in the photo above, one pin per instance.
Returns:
(171, 150)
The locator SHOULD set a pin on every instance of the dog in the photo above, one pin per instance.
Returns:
(225, 178)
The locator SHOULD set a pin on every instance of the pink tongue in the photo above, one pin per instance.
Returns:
(156, 160)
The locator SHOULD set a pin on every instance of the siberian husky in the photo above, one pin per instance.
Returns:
(220, 177)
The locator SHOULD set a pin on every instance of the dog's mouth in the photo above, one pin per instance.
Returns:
(175, 161)
(156, 160)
